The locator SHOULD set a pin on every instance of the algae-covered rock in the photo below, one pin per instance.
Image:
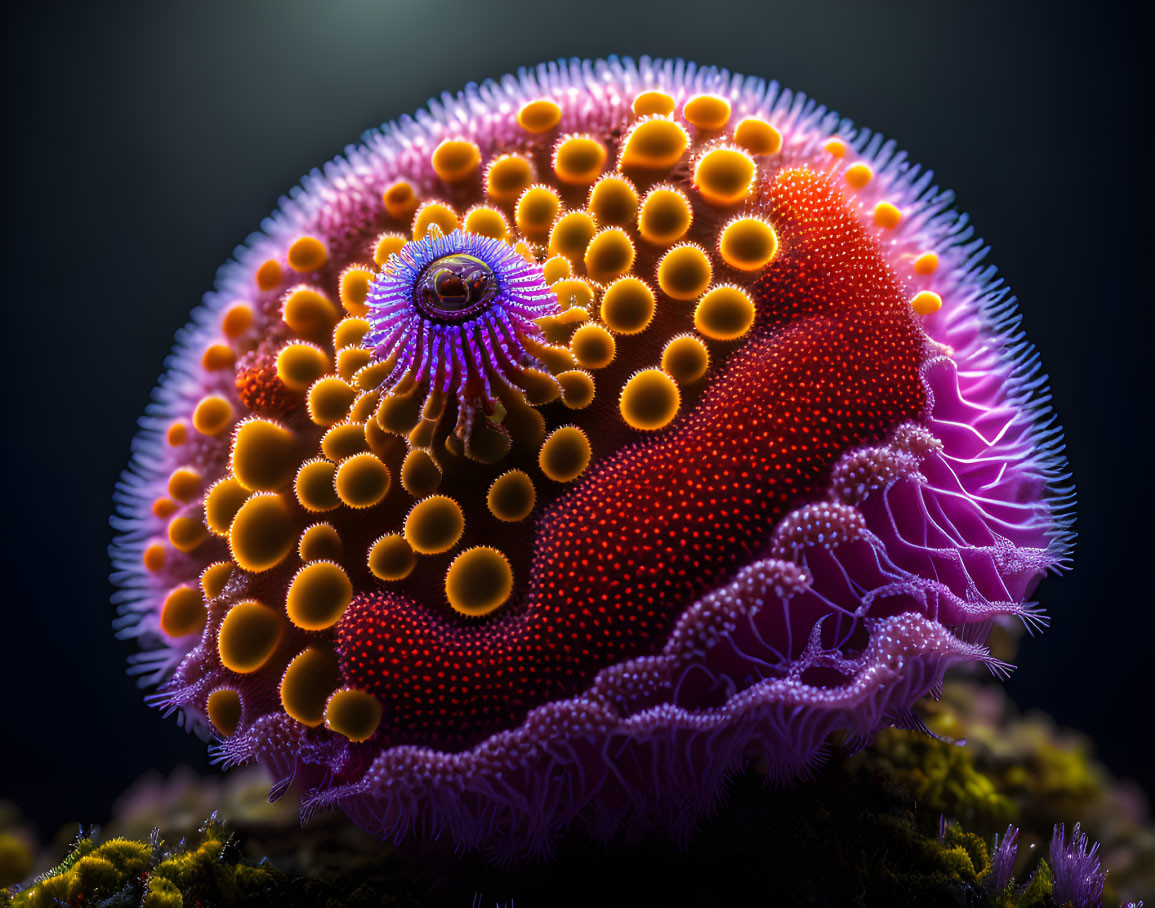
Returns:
(912, 819)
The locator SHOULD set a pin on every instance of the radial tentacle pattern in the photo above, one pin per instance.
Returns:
(570, 446)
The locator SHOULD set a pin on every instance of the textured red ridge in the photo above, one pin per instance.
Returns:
(259, 388)
(832, 363)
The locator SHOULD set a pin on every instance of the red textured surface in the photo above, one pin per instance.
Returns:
(259, 388)
(831, 364)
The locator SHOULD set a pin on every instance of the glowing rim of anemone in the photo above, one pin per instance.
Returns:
(426, 345)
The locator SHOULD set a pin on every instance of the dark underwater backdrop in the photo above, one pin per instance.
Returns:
(144, 140)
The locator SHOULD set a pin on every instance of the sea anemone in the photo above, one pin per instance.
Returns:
(562, 450)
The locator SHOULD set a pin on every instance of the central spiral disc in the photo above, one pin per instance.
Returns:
(455, 287)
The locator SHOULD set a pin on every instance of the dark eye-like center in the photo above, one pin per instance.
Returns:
(455, 287)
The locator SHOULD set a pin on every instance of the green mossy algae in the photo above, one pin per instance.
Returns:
(210, 871)
(121, 872)
(838, 842)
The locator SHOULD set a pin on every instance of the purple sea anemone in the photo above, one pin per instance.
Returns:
(568, 447)
(1078, 879)
(1003, 860)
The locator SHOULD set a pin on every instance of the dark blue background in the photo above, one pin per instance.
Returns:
(144, 140)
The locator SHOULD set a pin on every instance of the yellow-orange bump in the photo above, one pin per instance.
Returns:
(511, 496)
(537, 209)
(725, 176)
(224, 710)
(154, 556)
(384, 444)
(353, 289)
(540, 387)
(314, 485)
(307, 254)
(926, 302)
(434, 525)
(539, 116)
(858, 175)
(571, 235)
(349, 332)
(577, 388)
(222, 501)
(455, 160)
(362, 480)
(218, 357)
(556, 268)
(685, 359)
(177, 433)
(835, 147)
(609, 255)
(164, 507)
(664, 216)
(479, 581)
(748, 243)
(183, 612)
(565, 454)
(388, 244)
(485, 221)
(344, 440)
(320, 542)
(309, 313)
(887, 215)
(186, 533)
(685, 272)
(398, 413)
(262, 533)
(354, 714)
(613, 201)
(400, 200)
(363, 408)
(318, 596)
(593, 347)
(300, 364)
(184, 484)
(370, 377)
(236, 320)
(269, 275)
(926, 264)
(757, 136)
(420, 473)
(627, 305)
(352, 360)
(433, 214)
(507, 177)
(708, 112)
(579, 159)
(329, 399)
(573, 292)
(649, 103)
(248, 636)
(214, 578)
(656, 143)
(307, 684)
(649, 400)
(392, 557)
(725, 313)
(213, 414)
(264, 455)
